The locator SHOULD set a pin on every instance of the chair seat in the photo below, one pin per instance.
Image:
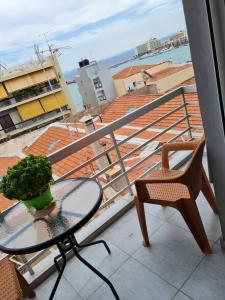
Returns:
(9, 284)
(170, 192)
(164, 173)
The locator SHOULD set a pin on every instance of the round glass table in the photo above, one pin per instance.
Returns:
(75, 203)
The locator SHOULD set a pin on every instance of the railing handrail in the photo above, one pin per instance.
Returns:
(100, 133)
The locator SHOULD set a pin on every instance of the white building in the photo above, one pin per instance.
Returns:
(154, 44)
(150, 45)
(95, 83)
(141, 49)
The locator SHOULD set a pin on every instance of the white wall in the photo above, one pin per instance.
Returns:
(86, 87)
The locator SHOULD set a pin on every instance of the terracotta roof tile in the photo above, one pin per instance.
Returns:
(43, 146)
(5, 203)
(189, 81)
(129, 71)
(167, 72)
(121, 106)
(5, 163)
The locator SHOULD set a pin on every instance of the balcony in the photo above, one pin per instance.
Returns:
(36, 122)
(173, 267)
(28, 96)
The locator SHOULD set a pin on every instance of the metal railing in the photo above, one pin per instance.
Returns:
(36, 121)
(29, 95)
(143, 166)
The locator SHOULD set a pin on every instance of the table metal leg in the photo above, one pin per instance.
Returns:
(96, 272)
(60, 270)
(71, 243)
(95, 243)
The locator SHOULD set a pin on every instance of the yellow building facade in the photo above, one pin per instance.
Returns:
(3, 93)
(32, 95)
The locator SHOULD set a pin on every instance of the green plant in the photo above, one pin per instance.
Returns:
(27, 179)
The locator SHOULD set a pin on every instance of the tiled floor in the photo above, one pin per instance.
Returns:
(172, 268)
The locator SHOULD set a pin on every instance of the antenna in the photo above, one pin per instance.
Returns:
(40, 55)
(51, 47)
(53, 52)
(2, 67)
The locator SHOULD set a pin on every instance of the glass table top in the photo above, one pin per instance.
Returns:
(75, 202)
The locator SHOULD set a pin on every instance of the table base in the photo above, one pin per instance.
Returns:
(69, 244)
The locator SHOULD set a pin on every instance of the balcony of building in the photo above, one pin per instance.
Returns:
(33, 123)
(173, 267)
(29, 94)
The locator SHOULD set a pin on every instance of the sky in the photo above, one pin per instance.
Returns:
(95, 29)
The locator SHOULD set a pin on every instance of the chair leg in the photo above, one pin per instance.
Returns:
(26, 288)
(208, 193)
(142, 221)
(190, 213)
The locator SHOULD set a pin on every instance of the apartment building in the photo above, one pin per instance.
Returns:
(155, 78)
(180, 36)
(150, 45)
(32, 95)
(95, 83)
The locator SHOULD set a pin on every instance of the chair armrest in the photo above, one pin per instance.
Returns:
(166, 148)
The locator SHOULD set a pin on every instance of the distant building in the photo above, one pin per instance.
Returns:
(32, 95)
(179, 38)
(136, 77)
(150, 45)
(95, 83)
(141, 49)
(154, 44)
(181, 35)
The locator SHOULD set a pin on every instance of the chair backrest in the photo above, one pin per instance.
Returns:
(193, 173)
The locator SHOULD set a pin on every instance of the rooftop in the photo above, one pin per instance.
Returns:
(57, 136)
(129, 71)
(5, 163)
(167, 72)
(121, 106)
(189, 81)
(29, 67)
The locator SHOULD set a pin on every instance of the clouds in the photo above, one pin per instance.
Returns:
(102, 27)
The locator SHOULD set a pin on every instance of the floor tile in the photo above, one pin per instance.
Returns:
(173, 254)
(158, 211)
(208, 280)
(210, 220)
(133, 281)
(181, 296)
(126, 233)
(84, 281)
(64, 291)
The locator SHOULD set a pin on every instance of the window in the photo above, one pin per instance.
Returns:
(97, 83)
(101, 95)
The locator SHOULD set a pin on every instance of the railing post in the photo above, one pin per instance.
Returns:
(186, 114)
(121, 162)
(27, 264)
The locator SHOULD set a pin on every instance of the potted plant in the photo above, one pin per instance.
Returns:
(29, 181)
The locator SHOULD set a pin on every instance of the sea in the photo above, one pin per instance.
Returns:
(177, 55)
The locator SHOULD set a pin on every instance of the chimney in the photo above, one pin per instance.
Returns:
(104, 160)
(89, 127)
